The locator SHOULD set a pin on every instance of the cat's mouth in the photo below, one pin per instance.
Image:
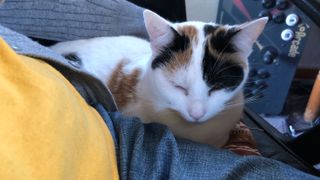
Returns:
(186, 118)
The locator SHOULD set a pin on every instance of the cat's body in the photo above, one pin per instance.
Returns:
(185, 78)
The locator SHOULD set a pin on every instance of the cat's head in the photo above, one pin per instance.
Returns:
(197, 68)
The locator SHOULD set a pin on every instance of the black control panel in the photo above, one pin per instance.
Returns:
(276, 54)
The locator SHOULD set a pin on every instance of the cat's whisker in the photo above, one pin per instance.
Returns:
(231, 76)
(228, 77)
(250, 80)
(248, 95)
(227, 68)
(228, 107)
(255, 63)
(251, 99)
(233, 105)
(264, 93)
(218, 64)
(243, 103)
(219, 59)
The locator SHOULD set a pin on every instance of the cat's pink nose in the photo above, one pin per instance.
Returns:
(196, 115)
(196, 111)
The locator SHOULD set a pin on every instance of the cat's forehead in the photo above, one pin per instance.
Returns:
(196, 30)
(196, 43)
(192, 30)
(215, 37)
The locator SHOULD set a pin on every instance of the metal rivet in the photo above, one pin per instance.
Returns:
(14, 47)
(75, 64)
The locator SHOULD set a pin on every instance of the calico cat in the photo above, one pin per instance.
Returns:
(189, 76)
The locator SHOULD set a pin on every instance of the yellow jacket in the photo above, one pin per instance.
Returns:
(47, 131)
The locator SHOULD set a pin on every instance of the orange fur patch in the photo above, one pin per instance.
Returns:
(123, 86)
(211, 48)
(189, 31)
(179, 60)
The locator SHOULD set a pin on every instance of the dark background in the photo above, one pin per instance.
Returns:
(173, 10)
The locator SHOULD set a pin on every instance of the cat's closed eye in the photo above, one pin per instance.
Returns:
(180, 88)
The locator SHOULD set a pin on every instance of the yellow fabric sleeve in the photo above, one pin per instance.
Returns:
(47, 131)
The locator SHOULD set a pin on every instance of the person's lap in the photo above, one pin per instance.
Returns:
(150, 151)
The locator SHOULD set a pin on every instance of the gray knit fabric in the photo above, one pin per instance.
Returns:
(25, 46)
(62, 20)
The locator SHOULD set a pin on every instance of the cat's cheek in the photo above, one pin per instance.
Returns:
(179, 105)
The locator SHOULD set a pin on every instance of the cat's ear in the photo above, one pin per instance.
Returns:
(248, 34)
(160, 31)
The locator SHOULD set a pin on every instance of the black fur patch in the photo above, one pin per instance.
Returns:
(221, 40)
(179, 43)
(221, 75)
(209, 29)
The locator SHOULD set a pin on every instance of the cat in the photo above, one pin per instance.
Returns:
(189, 76)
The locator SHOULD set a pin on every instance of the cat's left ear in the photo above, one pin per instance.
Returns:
(160, 31)
(248, 34)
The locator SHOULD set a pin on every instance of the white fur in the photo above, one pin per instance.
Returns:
(196, 116)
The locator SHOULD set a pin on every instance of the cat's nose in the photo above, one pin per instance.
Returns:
(196, 115)
(196, 111)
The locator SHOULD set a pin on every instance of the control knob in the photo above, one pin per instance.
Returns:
(269, 55)
(282, 4)
(287, 35)
(263, 74)
(292, 19)
(279, 17)
(268, 3)
(265, 13)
